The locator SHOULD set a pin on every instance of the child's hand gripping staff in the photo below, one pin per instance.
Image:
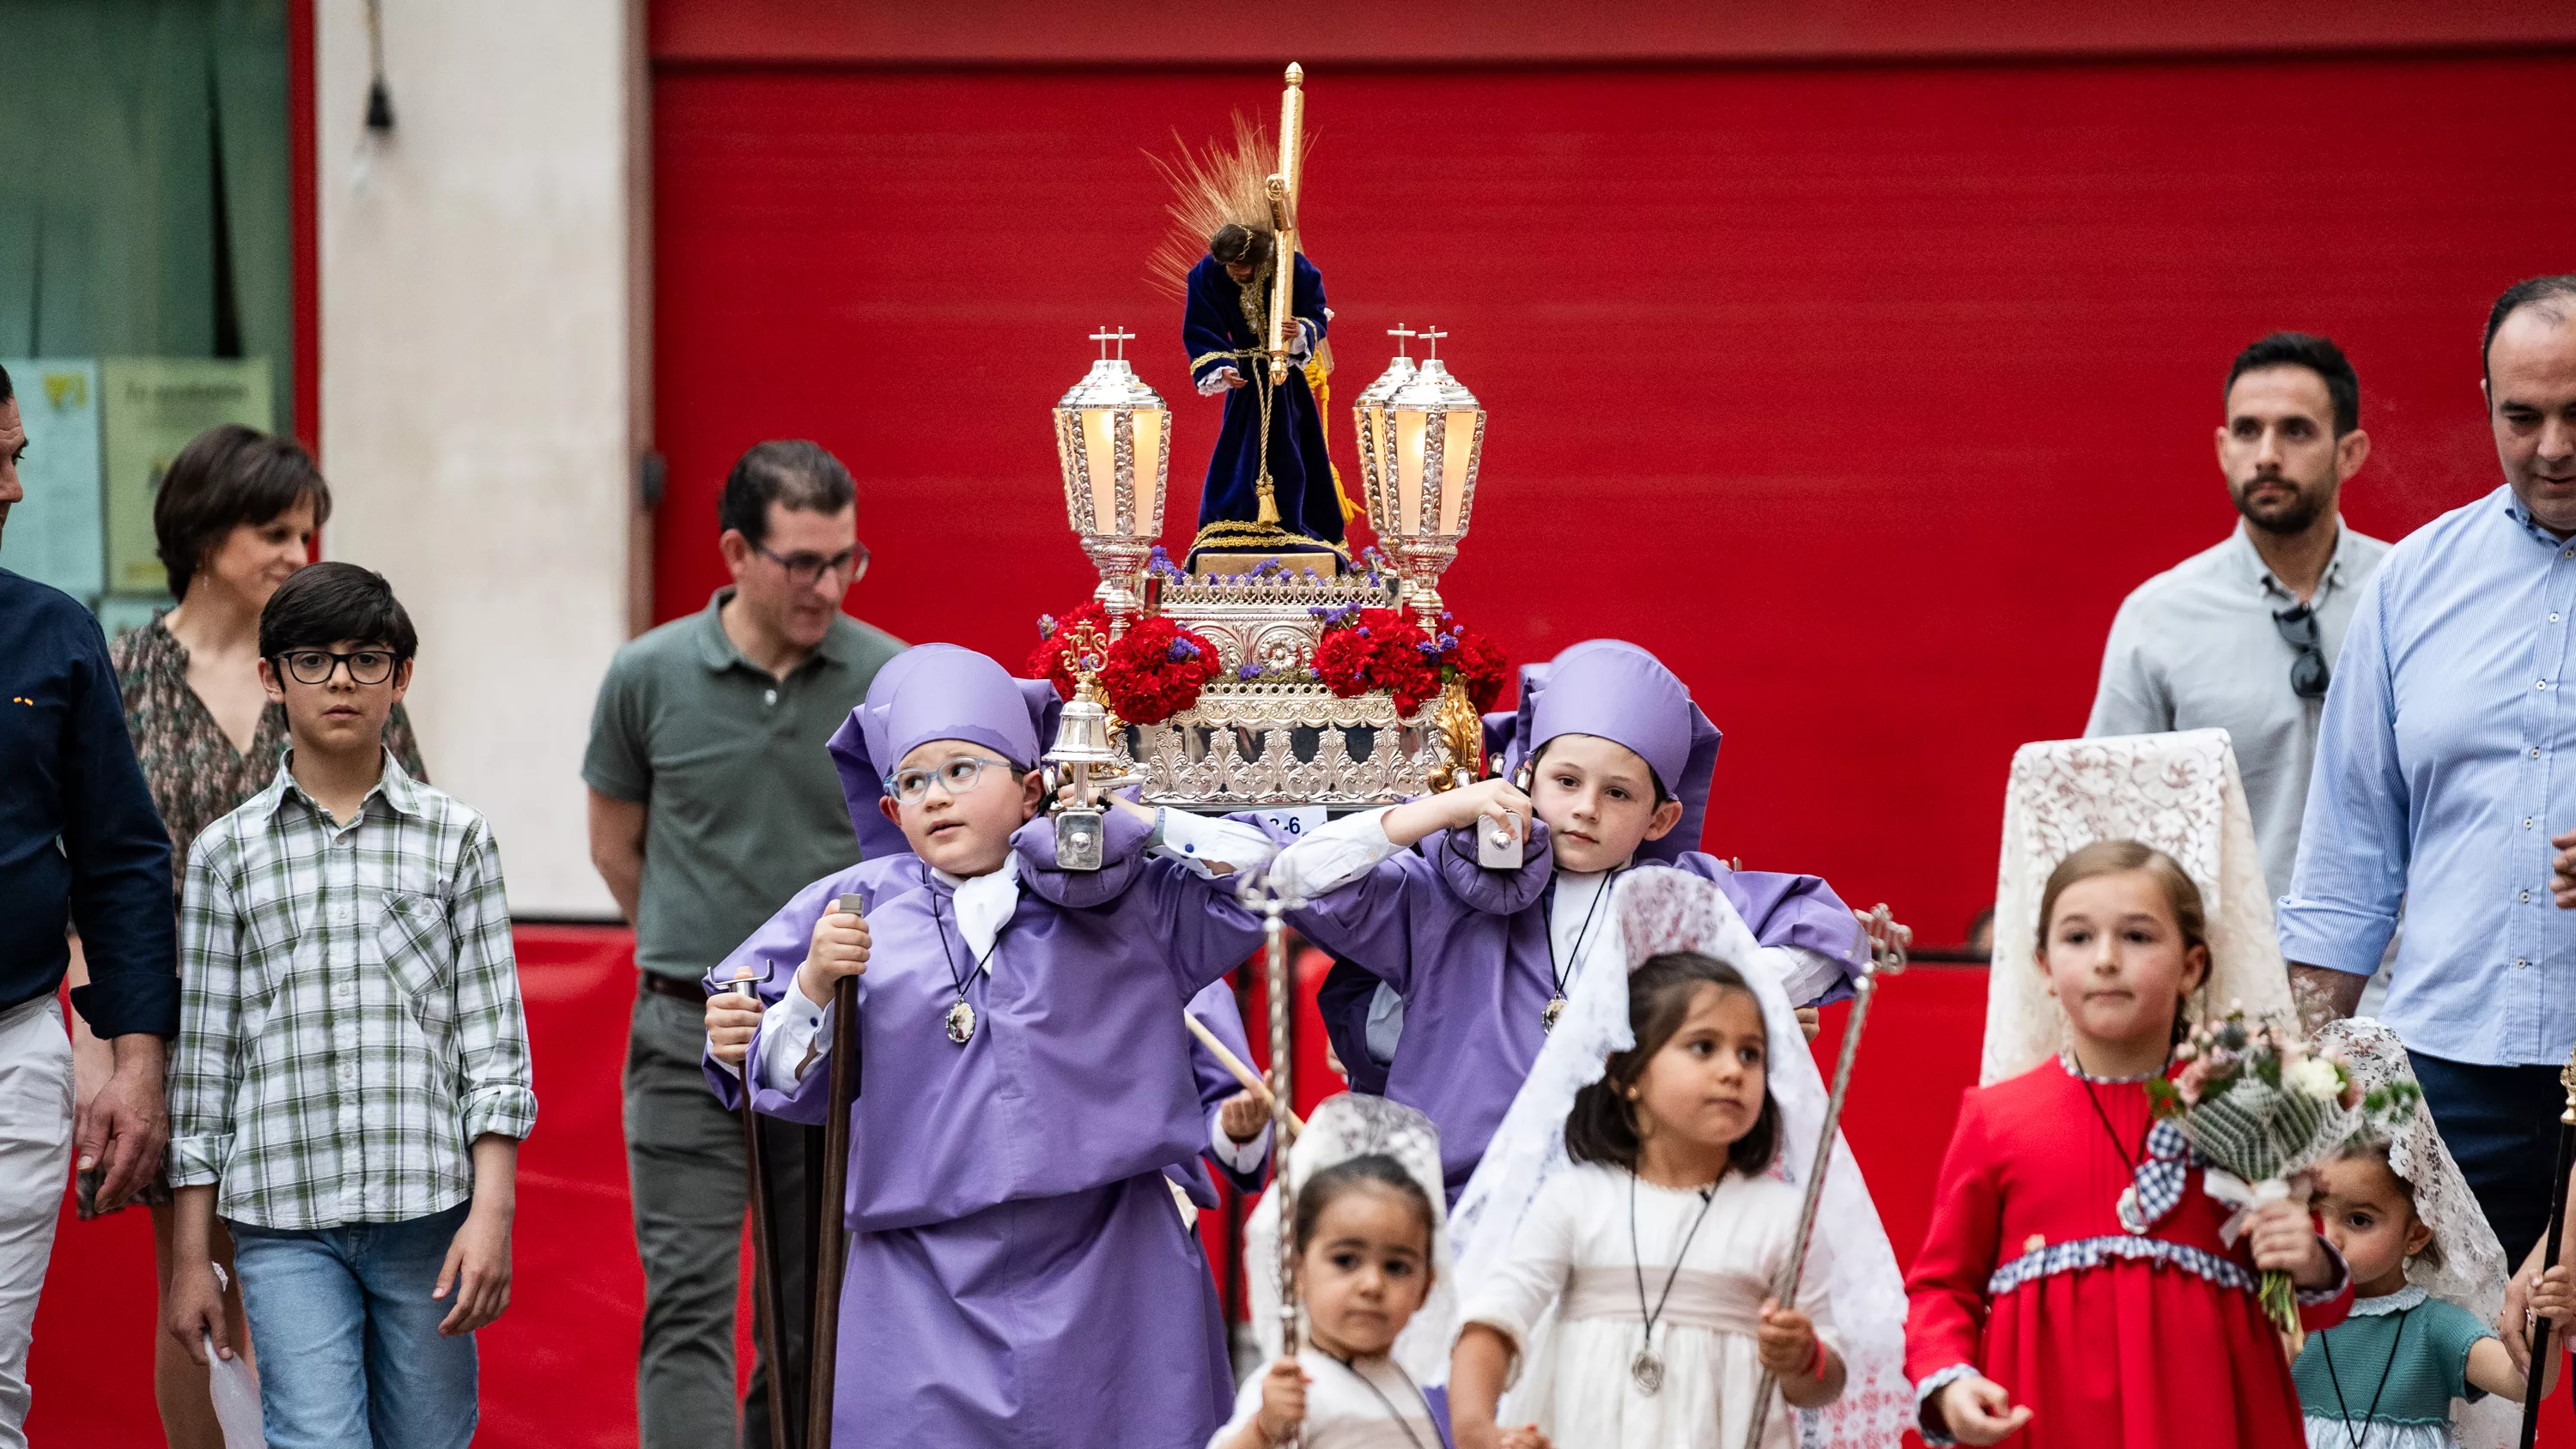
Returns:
(727, 1010)
(834, 961)
(1792, 1356)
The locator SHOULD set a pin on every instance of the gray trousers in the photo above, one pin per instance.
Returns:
(684, 1168)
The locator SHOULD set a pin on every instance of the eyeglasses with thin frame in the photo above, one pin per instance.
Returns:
(805, 570)
(316, 666)
(956, 776)
(2309, 673)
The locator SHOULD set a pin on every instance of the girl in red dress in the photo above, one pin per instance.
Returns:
(2074, 1288)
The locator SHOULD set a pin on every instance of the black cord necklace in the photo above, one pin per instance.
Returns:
(1558, 977)
(2385, 1370)
(1648, 1367)
(961, 1016)
(1352, 1368)
(2118, 1143)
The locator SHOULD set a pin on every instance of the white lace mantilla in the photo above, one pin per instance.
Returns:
(2177, 792)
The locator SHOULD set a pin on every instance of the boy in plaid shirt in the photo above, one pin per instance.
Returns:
(351, 1079)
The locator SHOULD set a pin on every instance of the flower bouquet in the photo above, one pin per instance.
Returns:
(1365, 649)
(2260, 1106)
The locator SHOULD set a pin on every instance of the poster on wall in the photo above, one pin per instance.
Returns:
(57, 534)
(149, 408)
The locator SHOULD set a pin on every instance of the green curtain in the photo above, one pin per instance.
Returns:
(143, 182)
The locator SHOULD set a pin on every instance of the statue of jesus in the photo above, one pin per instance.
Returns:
(1269, 466)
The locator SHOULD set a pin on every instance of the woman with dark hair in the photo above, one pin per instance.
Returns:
(235, 514)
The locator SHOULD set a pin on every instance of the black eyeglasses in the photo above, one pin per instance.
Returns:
(315, 666)
(2308, 673)
(804, 570)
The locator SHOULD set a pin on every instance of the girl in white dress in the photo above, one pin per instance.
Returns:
(1656, 1251)
(1368, 1232)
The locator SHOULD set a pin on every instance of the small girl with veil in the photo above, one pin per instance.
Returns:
(1623, 1242)
(1372, 1250)
(2417, 1365)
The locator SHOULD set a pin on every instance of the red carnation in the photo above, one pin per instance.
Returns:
(1048, 661)
(1481, 667)
(1156, 670)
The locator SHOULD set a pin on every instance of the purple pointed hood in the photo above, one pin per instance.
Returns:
(1613, 689)
(934, 692)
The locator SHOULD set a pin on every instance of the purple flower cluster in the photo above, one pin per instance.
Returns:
(1377, 565)
(1335, 616)
(1159, 563)
(1438, 644)
(1046, 626)
(1251, 669)
(1181, 649)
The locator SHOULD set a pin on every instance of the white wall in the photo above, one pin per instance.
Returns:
(481, 400)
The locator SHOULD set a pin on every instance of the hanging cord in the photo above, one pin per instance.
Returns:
(1637, 1259)
(1391, 1412)
(2344, 1413)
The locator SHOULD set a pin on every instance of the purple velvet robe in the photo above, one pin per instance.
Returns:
(1467, 948)
(1018, 1272)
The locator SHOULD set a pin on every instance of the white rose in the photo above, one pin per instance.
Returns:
(2313, 1077)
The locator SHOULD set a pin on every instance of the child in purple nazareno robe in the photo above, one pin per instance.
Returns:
(1614, 759)
(1018, 1269)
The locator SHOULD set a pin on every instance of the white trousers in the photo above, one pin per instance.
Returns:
(35, 1156)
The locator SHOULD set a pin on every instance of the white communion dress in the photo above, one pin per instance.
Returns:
(1366, 1403)
(1575, 1250)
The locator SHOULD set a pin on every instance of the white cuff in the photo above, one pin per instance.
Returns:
(1211, 847)
(1245, 1157)
(1335, 855)
(791, 1039)
(1215, 382)
(1804, 974)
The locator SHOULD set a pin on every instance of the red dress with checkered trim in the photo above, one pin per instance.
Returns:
(2111, 1338)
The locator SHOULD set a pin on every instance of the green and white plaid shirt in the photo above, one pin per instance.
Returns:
(349, 1009)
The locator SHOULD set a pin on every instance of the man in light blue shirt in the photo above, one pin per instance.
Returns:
(2448, 747)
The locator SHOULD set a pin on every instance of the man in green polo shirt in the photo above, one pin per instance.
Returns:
(712, 801)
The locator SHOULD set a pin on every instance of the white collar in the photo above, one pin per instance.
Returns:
(2397, 1302)
(1578, 898)
(984, 904)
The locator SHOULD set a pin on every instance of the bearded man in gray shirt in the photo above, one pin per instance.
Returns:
(2242, 637)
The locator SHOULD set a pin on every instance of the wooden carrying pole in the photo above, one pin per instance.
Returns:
(834, 1169)
(2541, 1332)
(1235, 1067)
(765, 1317)
(1887, 942)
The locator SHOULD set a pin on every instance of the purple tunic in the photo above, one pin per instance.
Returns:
(1018, 1271)
(1467, 948)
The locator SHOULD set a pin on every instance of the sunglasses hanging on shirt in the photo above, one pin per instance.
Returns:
(2308, 672)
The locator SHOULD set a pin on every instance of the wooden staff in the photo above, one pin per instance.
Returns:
(764, 1267)
(824, 1341)
(1234, 1065)
(1887, 945)
(2540, 1335)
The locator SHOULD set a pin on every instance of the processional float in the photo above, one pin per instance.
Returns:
(1275, 712)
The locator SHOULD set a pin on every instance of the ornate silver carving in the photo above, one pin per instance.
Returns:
(1286, 744)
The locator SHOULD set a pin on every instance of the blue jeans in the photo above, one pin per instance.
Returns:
(349, 1352)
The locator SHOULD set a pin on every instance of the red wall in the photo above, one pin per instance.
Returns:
(1860, 394)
